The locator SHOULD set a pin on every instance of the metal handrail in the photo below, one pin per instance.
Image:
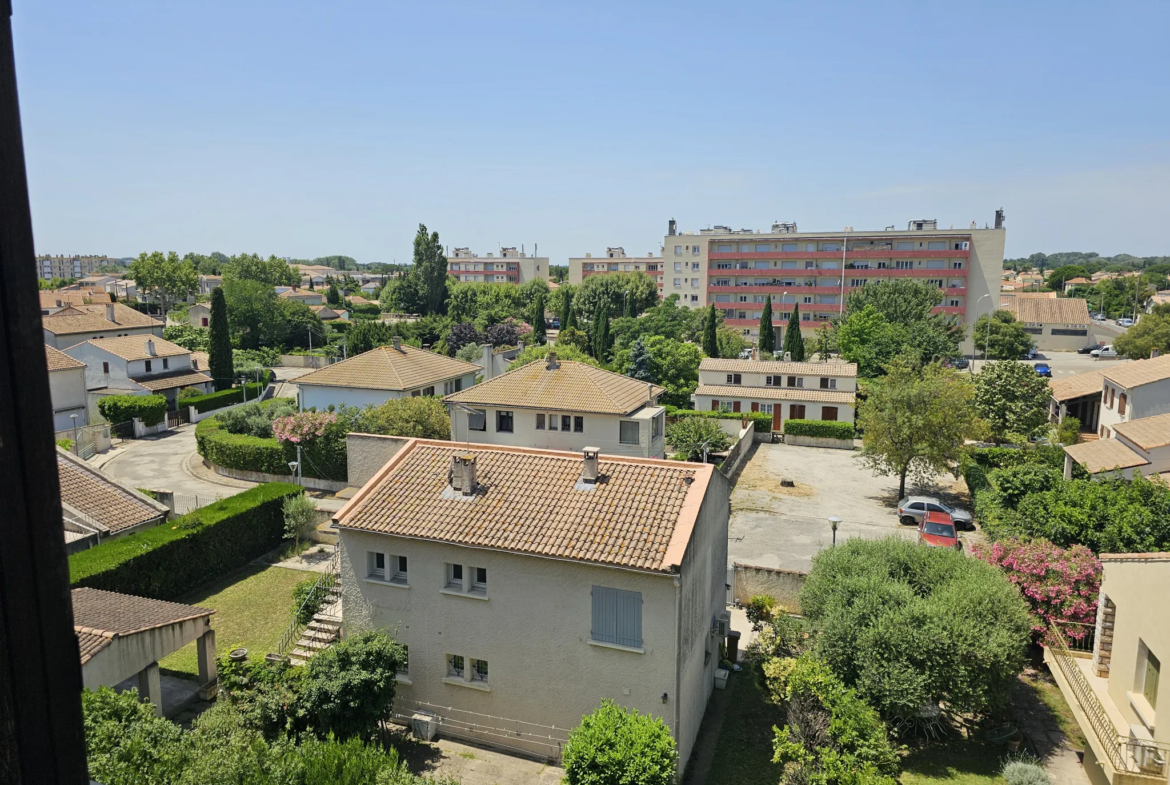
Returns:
(1120, 749)
(326, 582)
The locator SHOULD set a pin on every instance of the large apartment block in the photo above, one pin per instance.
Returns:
(511, 266)
(615, 261)
(59, 266)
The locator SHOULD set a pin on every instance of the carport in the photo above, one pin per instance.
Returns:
(1077, 396)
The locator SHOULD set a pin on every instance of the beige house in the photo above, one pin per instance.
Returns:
(327, 313)
(376, 376)
(79, 323)
(306, 296)
(96, 507)
(786, 390)
(66, 390)
(528, 585)
(138, 365)
(511, 266)
(1055, 324)
(199, 315)
(1077, 396)
(562, 405)
(1134, 390)
(1114, 692)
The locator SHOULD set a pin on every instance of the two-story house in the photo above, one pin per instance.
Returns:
(376, 376)
(138, 365)
(1134, 390)
(529, 584)
(1110, 674)
(66, 390)
(562, 405)
(786, 390)
(78, 323)
(306, 296)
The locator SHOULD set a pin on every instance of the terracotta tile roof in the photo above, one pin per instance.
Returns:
(359, 300)
(200, 361)
(571, 386)
(61, 299)
(1140, 372)
(1077, 385)
(387, 368)
(133, 347)
(1073, 281)
(100, 616)
(124, 315)
(59, 361)
(1104, 455)
(1066, 310)
(169, 381)
(815, 395)
(779, 367)
(297, 292)
(641, 516)
(62, 323)
(100, 498)
(1147, 433)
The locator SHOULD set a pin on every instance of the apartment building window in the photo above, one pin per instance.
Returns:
(828, 383)
(806, 317)
(540, 422)
(734, 378)
(503, 422)
(455, 577)
(808, 300)
(694, 283)
(810, 265)
(829, 413)
(694, 298)
(455, 665)
(617, 617)
(937, 245)
(677, 282)
(904, 264)
(565, 422)
(785, 316)
(956, 265)
(955, 304)
(856, 282)
(743, 298)
(796, 381)
(695, 251)
(578, 424)
(148, 366)
(477, 420)
(376, 565)
(678, 250)
(905, 246)
(629, 432)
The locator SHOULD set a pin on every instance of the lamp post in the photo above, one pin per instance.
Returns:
(971, 367)
(834, 521)
(74, 416)
(295, 468)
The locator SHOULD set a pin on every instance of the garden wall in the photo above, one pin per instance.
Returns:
(818, 441)
(784, 585)
(306, 361)
(366, 453)
(306, 481)
(739, 449)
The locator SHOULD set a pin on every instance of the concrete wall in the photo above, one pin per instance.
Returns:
(67, 394)
(601, 431)
(127, 655)
(784, 585)
(308, 482)
(818, 441)
(366, 453)
(1047, 342)
(63, 342)
(744, 437)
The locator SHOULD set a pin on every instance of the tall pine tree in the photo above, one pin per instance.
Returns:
(793, 340)
(710, 334)
(539, 329)
(767, 332)
(601, 335)
(219, 360)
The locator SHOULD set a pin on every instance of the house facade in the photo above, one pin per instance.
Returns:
(66, 390)
(138, 365)
(511, 266)
(1055, 324)
(78, 323)
(529, 585)
(306, 296)
(786, 390)
(562, 405)
(376, 376)
(1134, 390)
(199, 315)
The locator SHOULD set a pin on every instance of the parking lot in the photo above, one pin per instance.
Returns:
(783, 528)
(1066, 363)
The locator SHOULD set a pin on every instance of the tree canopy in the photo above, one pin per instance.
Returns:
(1008, 340)
(1012, 399)
(1151, 332)
(273, 271)
(609, 291)
(164, 277)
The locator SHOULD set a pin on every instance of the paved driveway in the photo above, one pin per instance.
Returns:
(774, 526)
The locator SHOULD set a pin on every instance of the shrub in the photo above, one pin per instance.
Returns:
(1013, 483)
(65, 444)
(762, 420)
(831, 735)
(170, 560)
(1025, 772)
(189, 392)
(126, 744)
(117, 409)
(217, 400)
(1058, 584)
(819, 428)
(306, 601)
(910, 626)
(759, 610)
(692, 435)
(303, 427)
(617, 746)
(300, 513)
(348, 689)
(1069, 431)
(239, 451)
(420, 417)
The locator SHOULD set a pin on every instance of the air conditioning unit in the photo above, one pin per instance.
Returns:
(1141, 747)
(721, 625)
(425, 725)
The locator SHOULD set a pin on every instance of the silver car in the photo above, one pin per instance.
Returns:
(912, 508)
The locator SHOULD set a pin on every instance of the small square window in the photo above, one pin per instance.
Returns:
(166, 364)
(629, 433)
(480, 579)
(552, 422)
(455, 576)
(455, 665)
(376, 565)
(566, 423)
(540, 422)
(477, 420)
(578, 425)
(148, 366)
(479, 670)
(503, 422)
(399, 564)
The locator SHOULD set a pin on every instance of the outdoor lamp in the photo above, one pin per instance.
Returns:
(834, 521)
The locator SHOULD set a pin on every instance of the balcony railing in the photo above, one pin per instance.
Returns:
(1127, 755)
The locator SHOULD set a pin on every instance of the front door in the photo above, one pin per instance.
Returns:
(777, 417)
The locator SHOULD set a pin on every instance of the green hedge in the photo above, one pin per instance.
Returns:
(977, 462)
(762, 420)
(174, 558)
(218, 400)
(117, 409)
(323, 458)
(822, 429)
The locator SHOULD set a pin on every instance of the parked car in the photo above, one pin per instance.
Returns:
(959, 363)
(1089, 349)
(937, 530)
(556, 323)
(912, 509)
(1126, 322)
(1098, 317)
(1101, 348)
(1031, 355)
(746, 354)
(1043, 369)
(1107, 353)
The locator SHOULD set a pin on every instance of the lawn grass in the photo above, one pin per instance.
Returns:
(743, 753)
(957, 762)
(253, 607)
(1044, 688)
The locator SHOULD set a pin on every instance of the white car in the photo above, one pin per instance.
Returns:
(1126, 322)
(1106, 352)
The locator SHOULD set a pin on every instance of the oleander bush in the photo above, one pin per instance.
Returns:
(819, 429)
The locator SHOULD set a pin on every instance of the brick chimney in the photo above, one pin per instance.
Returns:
(590, 466)
(552, 364)
(462, 474)
(150, 348)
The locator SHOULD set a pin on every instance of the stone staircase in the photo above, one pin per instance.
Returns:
(322, 631)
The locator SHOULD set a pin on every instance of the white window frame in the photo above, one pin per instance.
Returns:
(623, 425)
(373, 571)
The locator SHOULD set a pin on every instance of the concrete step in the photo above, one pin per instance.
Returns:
(313, 645)
(321, 637)
(323, 626)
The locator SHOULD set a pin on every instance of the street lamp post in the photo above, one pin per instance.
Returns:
(834, 522)
(295, 468)
(74, 416)
(971, 367)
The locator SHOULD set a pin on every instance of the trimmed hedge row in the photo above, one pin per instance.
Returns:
(762, 420)
(218, 400)
(117, 409)
(822, 429)
(173, 558)
(238, 450)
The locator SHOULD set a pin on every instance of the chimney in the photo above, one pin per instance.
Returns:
(756, 353)
(787, 357)
(590, 470)
(552, 361)
(397, 343)
(150, 348)
(110, 313)
(1154, 353)
(463, 474)
(672, 227)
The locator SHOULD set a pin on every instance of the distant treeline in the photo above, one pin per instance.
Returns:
(1092, 262)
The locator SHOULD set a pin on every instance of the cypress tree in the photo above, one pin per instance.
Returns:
(767, 333)
(219, 361)
(710, 336)
(793, 340)
(539, 329)
(567, 309)
(601, 334)
(629, 312)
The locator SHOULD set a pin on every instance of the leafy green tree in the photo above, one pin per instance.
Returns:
(430, 269)
(564, 351)
(573, 338)
(673, 364)
(1012, 399)
(1150, 333)
(164, 277)
(691, 436)
(825, 342)
(731, 342)
(610, 291)
(348, 689)
(618, 746)
(417, 417)
(1057, 277)
(300, 513)
(601, 343)
(638, 365)
(711, 333)
(193, 339)
(367, 335)
(332, 295)
(539, 329)
(1008, 340)
(793, 340)
(628, 307)
(900, 300)
(767, 341)
(219, 350)
(566, 314)
(273, 271)
(404, 295)
(915, 421)
(893, 619)
(126, 744)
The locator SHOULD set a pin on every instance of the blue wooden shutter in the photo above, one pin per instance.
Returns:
(617, 616)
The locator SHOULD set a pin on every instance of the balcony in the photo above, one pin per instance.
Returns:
(866, 254)
(854, 272)
(1124, 760)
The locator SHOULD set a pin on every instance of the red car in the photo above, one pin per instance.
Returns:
(937, 530)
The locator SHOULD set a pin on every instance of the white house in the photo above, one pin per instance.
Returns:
(562, 405)
(1132, 391)
(138, 365)
(306, 296)
(376, 376)
(66, 390)
(79, 323)
(528, 585)
(786, 390)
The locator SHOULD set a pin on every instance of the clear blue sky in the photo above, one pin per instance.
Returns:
(305, 129)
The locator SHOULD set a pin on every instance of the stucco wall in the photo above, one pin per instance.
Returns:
(321, 396)
(601, 431)
(127, 655)
(1150, 399)
(1047, 342)
(366, 453)
(784, 585)
(67, 393)
(812, 411)
(64, 341)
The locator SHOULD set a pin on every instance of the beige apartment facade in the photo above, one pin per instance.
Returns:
(511, 266)
(615, 261)
(824, 391)
(69, 266)
(738, 269)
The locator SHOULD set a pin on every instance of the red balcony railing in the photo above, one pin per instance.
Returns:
(882, 254)
(856, 272)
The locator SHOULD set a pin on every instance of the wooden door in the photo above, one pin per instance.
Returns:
(714, 406)
(777, 417)
(755, 406)
(796, 411)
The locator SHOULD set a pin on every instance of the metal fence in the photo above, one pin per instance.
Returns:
(1079, 637)
(180, 416)
(320, 589)
(187, 502)
(520, 735)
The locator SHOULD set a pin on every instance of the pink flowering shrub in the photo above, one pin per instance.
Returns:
(1059, 584)
(303, 427)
